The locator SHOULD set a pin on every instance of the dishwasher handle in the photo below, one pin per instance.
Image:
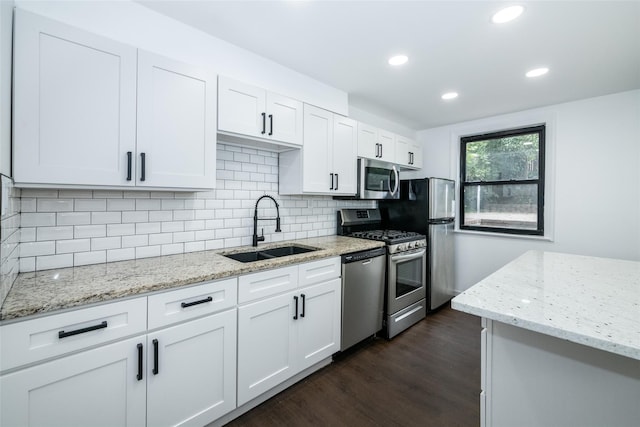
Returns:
(363, 255)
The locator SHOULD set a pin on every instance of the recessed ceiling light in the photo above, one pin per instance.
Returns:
(507, 14)
(398, 60)
(450, 95)
(537, 72)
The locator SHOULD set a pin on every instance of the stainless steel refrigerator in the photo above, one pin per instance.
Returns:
(427, 206)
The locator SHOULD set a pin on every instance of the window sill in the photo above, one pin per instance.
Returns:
(506, 235)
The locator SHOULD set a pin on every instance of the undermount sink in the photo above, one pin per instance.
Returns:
(263, 254)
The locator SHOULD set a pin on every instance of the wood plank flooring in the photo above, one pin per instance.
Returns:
(427, 376)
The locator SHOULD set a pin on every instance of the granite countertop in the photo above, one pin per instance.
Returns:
(50, 290)
(586, 300)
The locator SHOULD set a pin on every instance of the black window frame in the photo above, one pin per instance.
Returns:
(540, 130)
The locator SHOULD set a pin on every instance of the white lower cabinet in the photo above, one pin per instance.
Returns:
(282, 335)
(99, 387)
(191, 371)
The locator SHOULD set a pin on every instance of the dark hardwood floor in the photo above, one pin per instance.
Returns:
(427, 376)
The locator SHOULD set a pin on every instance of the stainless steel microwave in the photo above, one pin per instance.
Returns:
(377, 180)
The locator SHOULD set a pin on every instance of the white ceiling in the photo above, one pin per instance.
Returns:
(592, 48)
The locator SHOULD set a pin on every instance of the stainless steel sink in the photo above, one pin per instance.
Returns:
(269, 253)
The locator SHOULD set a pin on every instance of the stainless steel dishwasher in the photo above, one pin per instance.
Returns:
(363, 276)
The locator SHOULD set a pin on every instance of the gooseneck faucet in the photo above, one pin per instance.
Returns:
(257, 238)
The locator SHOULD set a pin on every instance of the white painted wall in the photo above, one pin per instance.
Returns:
(595, 156)
(132, 23)
(380, 122)
(6, 28)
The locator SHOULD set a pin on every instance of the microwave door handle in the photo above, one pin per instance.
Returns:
(397, 176)
(396, 258)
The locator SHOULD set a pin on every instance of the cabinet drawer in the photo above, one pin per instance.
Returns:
(38, 339)
(319, 271)
(266, 283)
(195, 301)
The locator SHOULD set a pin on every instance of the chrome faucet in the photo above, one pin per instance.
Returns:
(257, 238)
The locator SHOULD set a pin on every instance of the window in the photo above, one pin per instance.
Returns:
(502, 181)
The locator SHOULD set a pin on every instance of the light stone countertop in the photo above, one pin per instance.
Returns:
(586, 300)
(50, 290)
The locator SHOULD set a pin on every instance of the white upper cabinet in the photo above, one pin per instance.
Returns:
(176, 124)
(327, 162)
(74, 108)
(408, 153)
(249, 111)
(376, 144)
(87, 110)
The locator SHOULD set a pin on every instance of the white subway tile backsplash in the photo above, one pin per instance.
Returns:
(86, 258)
(106, 217)
(48, 262)
(120, 254)
(77, 227)
(54, 233)
(85, 231)
(73, 218)
(71, 246)
(30, 219)
(90, 205)
(101, 243)
(120, 229)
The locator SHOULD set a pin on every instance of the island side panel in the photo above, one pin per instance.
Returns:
(532, 379)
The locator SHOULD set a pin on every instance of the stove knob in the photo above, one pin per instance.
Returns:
(410, 245)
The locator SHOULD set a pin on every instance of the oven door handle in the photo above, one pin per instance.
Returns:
(414, 255)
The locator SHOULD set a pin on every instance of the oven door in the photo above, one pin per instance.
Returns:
(407, 279)
(377, 180)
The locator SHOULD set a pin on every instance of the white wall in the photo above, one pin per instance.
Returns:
(136, 25)
(594, 159)
(6, 27)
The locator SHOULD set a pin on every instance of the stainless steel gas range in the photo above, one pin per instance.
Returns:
(406, 266)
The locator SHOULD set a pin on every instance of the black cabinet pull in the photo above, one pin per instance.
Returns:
(63, 334)
(264, 123)
(380, 150)
(202, 301)
(303, 299)
(139, 376)
(336, 182)
(142, 166)
(270, 124)
(331, 176)
(129, 154)
(156, 368)
(295, 317)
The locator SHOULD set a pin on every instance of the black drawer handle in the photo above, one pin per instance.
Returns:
(296, 315)
(63, 334)
(331, 175)
(303, 299)
(336, 182)
(271, 124)
(139, 376)
(129, 154)
(202, 301)
(264, 123)
(156, 368)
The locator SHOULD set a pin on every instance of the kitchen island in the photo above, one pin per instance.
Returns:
(560, 341)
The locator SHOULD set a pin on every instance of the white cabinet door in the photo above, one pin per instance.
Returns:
(74, 116)
(284, 119)
(99, 387)
(266, 345)
(318, 176)
(387, 142)
(345, 153)
(191, 380)
(368, 141)
(318, 329)
(408, 153)
(241, 108)
(176, 124)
